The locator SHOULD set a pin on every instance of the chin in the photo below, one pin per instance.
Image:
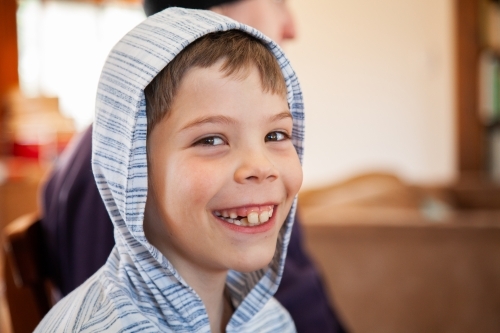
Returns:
(253, 260)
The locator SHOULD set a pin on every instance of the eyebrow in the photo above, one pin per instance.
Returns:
(282, 115)
(228, 120)
(209, 120)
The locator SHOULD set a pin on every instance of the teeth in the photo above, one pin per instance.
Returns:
(264, 217)
(253, 218)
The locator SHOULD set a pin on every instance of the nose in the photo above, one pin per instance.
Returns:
(255, 167)
(289, 31)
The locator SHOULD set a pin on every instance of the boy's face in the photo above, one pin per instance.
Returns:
(223, 149)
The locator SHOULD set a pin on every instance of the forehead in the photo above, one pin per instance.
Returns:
(205, 91)
(216, 78)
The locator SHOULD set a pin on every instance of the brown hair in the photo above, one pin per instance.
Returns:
(239, 52)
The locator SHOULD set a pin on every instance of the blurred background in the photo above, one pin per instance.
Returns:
(401, 195)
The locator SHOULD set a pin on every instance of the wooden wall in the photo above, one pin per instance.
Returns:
(471, 140)
(8, 46)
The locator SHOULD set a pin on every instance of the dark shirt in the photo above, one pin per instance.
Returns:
(79, 238)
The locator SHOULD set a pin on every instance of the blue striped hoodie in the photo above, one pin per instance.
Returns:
(138, 290)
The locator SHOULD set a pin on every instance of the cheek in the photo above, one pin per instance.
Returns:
(272, 28)
(266, 18)
(276, 23)
(292, 174)
(297, 177)
(191, 183)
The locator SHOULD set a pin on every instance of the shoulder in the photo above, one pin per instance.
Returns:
(60, 317)
(72, 172)
(95, 306)
(78, 152)
(73, 312)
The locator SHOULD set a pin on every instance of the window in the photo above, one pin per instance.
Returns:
(63, 46)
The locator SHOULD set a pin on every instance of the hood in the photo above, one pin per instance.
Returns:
(120, 166)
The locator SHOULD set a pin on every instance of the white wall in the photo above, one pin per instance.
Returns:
(377, 79)
(378, 85)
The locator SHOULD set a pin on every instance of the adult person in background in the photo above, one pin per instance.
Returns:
(79, 232)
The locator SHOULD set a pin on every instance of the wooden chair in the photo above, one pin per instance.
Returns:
(26, 280)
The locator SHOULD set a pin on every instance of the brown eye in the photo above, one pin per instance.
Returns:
(276, 136)
(210, 141)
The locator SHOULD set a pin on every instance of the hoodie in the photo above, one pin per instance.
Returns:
(138, 290)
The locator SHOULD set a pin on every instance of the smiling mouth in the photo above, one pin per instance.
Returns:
(246, 217)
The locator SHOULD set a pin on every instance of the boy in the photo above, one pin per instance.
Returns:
(198, 165)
